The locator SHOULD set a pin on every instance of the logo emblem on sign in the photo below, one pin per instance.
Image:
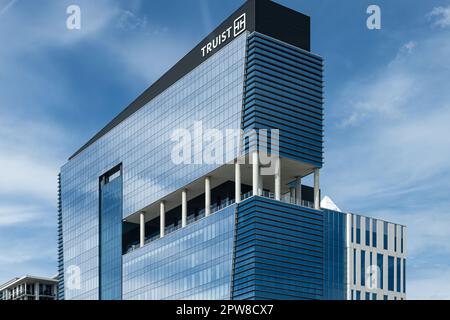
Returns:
(239, 25)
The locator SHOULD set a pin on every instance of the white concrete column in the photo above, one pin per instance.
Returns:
(142, 229)
(260, 185)
(256, 178)
(183, 208)
(207, 196)
(349, 266)
(237, 178)
(316, 189)
(278, 179)
(298, 191)
(36, 290)
(162, 219)
(292, 195)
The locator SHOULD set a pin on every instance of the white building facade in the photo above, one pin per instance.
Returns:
(29, 288)
(376, 263)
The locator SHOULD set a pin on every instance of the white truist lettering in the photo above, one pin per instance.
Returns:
(238, 27)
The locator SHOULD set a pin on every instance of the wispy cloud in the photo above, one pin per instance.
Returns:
(30, 154)
(385, 93)
(25, 255)
(4, 8)
(129, 20)
(138, 54)
(432, 283)
(401, 119)
(440, 16)
(19, 215)
(408, 47)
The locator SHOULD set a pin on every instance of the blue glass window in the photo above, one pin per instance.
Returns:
(111, 237)
(358, 295)
(374, 232)
(353, 228)
(367, 232)
(358, 229)
(374, 296)
(385, 235)
(401, 240)
(395, 238)
(354, 266)
(367, 296)
(380, 270)
(398, 274)
(391, 274)
(363, 268)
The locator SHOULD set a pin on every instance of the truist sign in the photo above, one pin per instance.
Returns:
(239, 26)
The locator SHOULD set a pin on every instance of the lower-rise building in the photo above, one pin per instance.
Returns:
(29, 288)
(365, 258)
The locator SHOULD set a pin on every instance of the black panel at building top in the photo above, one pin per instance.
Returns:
(263, 16)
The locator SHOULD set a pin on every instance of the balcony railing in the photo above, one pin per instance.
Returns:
(286, 198)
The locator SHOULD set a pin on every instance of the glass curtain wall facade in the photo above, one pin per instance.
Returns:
(284, 90)
(213, 89)
(111, 236)
(335, 270)
(278, 252)
(191, 263)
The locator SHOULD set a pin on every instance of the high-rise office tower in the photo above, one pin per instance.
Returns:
(195, 190)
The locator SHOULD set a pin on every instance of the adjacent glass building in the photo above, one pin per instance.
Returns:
(143, 215)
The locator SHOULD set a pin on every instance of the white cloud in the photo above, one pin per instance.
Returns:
(28, 177)
(400, 117)
(138, 53)
(440, 16)
(433, 284)
(409, 46)
(20, 215)
(128, 20)
(387, 93)
(46, 26)
(143, 59)
(4, 7)
(427, 227)
(28, 254)
(380, 98)
(30, 155)
(23, 254)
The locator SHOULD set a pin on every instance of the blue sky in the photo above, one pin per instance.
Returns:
(387, 110)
